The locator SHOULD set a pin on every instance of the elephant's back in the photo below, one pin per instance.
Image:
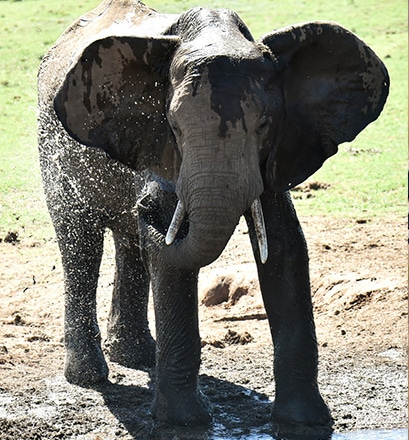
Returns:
(109, 18)
(77, 178)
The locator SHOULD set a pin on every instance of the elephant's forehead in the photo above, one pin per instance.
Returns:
(233, 100)
(230, 83)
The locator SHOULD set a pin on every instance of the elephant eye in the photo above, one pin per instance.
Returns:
(176, 130)
(263, 125)
(174, 126)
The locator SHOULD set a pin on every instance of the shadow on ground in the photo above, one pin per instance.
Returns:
(55, 409)
(237, 411)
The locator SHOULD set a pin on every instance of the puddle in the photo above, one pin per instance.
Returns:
(390, 434)
(395, 434)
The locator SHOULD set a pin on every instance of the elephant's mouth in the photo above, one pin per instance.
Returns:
(196, 236)
(258, 219)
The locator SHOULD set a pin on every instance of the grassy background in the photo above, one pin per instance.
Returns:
(367, 178)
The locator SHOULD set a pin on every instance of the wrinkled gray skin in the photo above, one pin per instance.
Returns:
(204, 115)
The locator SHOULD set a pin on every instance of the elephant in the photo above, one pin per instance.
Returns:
(167, 129)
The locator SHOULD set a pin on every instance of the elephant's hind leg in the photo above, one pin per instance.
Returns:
(81, 245)
(130, 342)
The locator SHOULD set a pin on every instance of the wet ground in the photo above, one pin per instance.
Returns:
(359, 283)
(51, 408)
(394, 434)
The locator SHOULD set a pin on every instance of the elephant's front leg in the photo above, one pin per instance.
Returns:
(285, 286)
(178, 398)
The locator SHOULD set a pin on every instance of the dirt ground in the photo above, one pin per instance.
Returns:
(359, 285)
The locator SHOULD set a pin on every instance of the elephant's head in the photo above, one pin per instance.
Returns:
(221, 115)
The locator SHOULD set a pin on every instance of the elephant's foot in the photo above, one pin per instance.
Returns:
(137, 353)
(306, 414)
(181, 407)
(85, 366)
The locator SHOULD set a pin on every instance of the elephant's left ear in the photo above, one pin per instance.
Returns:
(334, 86)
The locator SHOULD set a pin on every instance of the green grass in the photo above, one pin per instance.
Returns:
(367, 177)
(29, 28)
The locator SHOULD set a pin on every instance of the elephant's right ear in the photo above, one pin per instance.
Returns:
(113, 98)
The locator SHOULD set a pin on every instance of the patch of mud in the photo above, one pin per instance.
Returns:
(358, 277)
(241, 401)
(380, 434)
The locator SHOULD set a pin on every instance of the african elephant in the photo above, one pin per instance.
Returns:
(194, 125)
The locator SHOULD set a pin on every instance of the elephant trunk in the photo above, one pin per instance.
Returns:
(209, 231)
(212, 214)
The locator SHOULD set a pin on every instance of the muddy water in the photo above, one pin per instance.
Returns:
(395, 434)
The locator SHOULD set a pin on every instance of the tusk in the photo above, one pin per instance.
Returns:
(258, 218)
(175, 224)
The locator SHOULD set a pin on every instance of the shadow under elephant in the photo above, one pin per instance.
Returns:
(238, 413)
